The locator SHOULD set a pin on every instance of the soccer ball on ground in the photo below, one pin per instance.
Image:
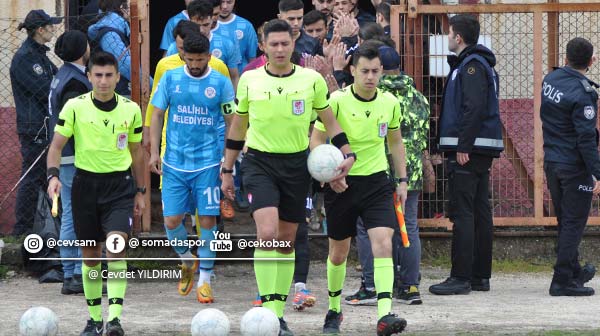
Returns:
(259, 321)
(323, 162)
(210, 322)
(38, 321)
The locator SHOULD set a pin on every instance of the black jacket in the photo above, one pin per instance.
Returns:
(306, 44)
(474, 97)
(31, 73)
(569, 114)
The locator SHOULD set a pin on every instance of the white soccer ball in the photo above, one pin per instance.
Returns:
(210, 322)
(259, 321)
(38, 321)
(323, 161)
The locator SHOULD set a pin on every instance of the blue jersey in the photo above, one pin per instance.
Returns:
(220, 47)
(224, 49)
(167, 37)
(231, 37)
(245, 34)
(195, 107)
(172, 49)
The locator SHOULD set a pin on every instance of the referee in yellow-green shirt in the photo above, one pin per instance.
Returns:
(280, 101)
(107, 129)
(370, 116)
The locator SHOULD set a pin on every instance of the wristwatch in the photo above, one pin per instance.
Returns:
(226, 171)
(141, 190)
(350, 155)
(399, 180)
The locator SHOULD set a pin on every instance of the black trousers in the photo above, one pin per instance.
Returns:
(571, 190)
(27, 194)
(470, 212)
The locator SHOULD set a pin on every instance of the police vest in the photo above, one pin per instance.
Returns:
(67, 72)
(489, 138)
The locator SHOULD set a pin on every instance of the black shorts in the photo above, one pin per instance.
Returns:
(369, 197)
(277, 180)
(102, 203)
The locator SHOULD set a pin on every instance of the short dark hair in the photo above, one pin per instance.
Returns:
(111, 5)
(466, 26)
(314, 16)
(216, 3)
(184, 28)
(277, 26)
(200, 8)
(288, 5)
(579, 53)
(384, 9)
(101, 58)
(196, 44)
(373, 31)
(366, 50)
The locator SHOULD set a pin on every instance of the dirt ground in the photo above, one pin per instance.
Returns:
(517, 304)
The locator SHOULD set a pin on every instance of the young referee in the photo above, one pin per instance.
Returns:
(370, 116)
(280, 101)
(107, 129)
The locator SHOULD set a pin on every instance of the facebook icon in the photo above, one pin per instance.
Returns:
(115, 243)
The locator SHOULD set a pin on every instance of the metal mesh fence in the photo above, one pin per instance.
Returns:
(511, 39)
(510, 35)
(24, 139)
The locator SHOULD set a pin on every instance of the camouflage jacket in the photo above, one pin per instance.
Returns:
(414, 107)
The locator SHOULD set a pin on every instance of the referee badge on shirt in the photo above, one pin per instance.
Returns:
(122, 141)
(298, 106)
(383, 128)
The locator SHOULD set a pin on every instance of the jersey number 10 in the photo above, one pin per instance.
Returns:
(215, 193)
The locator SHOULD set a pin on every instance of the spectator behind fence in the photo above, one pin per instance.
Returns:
(382, 17)
(292, 11)
(70, 82)
(326, 8)
(111, 33)
(470, 132)
(351, 8)
(569, 116)
(31, 72)
(315, 25)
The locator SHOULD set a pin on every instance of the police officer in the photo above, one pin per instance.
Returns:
(31, 72)
(470, 132)
(70, 82)
(571, 161)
